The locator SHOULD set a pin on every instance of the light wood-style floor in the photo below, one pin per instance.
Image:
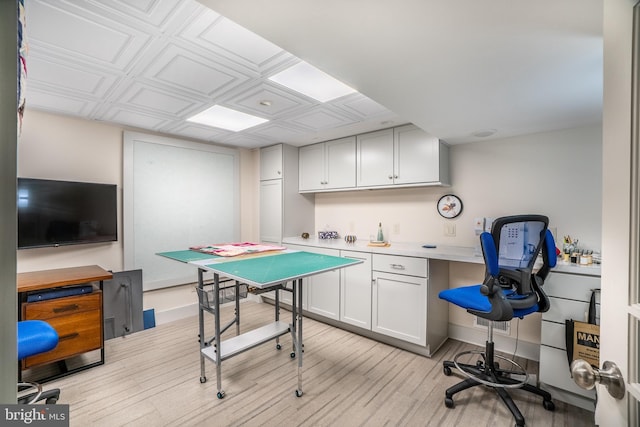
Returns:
(151, 378)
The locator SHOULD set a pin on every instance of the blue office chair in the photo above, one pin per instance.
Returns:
(510, 289)
(35, 337)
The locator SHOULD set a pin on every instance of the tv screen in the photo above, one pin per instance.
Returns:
(56, 213)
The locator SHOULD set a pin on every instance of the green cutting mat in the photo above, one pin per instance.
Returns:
(187, 255)
(280, 268)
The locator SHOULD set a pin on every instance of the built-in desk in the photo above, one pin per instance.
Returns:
(77, 319)
(394, 271)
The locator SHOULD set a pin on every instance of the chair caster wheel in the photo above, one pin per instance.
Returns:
(203, 380)
(548, 405)
(220, 394)
(448, 402)
(278, 346)
(446, 370)
(293, 354)
(298, 393)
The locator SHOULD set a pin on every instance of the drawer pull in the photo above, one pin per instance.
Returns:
(397, 266)
(68, 336)
(64, 308)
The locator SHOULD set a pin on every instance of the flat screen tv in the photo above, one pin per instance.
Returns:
(57, 213)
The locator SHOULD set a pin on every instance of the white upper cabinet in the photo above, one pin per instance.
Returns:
(405, 155)
(271, 162)
(328, 166)
(374, 156)
(417, 157)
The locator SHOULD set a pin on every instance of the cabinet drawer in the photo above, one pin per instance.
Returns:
(554, 371)
(553, 334)
(401, 265)
(62, 306)
(571, 286)
(561, 310)
(78, 333)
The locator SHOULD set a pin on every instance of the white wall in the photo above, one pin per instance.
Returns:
(557, 174)
(60, 147)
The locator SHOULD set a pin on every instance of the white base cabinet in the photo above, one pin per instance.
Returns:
(400, 297)
(569, 295)
(387, 297)
(355, 291)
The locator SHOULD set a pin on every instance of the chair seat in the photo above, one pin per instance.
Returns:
(35, 337)
(470, 298)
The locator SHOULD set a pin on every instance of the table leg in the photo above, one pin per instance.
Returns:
(216, 293)
(277, 315)
(237, 307)
(203, 339)
(298, 283)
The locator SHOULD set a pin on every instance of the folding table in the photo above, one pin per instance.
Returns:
(262, 271)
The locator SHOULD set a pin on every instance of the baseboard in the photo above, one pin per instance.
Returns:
(504, 344)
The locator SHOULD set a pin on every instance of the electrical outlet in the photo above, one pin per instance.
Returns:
(449, 230)
(396, 228)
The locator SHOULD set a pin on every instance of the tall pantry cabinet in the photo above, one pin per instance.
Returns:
(283, 211)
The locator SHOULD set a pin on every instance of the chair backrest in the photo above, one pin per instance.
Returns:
(510, 252)
(518, 239)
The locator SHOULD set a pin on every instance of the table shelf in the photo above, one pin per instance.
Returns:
(236, 345)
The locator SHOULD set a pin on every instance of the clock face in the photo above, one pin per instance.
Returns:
(449, 206)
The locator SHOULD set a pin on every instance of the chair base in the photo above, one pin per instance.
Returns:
(49, 396)
(488, 373)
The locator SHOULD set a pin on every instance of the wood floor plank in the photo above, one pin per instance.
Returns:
(153, 378)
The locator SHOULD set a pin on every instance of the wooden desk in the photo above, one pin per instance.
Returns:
(78, 319)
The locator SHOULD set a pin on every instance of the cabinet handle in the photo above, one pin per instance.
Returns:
(69, 307)
(279, 173)
(397, 266)
(395, 176)
(390, 176)
(68, 336)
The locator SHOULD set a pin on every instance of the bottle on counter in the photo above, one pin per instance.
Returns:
(380, 235)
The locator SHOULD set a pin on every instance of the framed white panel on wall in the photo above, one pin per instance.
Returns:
(177, 194)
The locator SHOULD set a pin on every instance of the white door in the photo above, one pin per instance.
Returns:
(271, 162)
(341, 163)
(620, 308)
(271, 211)
(323, 290)
(355, 291)
(374, 158)
(311, 167)
(416, 156)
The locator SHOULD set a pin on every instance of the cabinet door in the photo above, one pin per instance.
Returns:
(341, 163)
(271, 162)
(416, 156)
(355, 291)
(400, 307)
(271, 211)
(323, 290)
(311, 167)
(374, 158)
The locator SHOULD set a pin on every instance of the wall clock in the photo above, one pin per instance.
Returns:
(449, 206)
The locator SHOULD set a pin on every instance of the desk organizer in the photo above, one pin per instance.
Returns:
(328, 235)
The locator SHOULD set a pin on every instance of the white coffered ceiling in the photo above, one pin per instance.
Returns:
(454, 68)
(151, 64)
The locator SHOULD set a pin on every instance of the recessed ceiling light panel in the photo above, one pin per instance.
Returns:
(308, 80)
(226, 118)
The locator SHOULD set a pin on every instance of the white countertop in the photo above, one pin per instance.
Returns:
(442, 252)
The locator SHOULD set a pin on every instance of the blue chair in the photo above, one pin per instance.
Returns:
(35, 337)
(510, 289)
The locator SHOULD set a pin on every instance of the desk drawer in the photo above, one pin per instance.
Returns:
(561, 310)
(571, 286)
(59, 307)
(554, 371)
(78, 333)
(400, 265)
